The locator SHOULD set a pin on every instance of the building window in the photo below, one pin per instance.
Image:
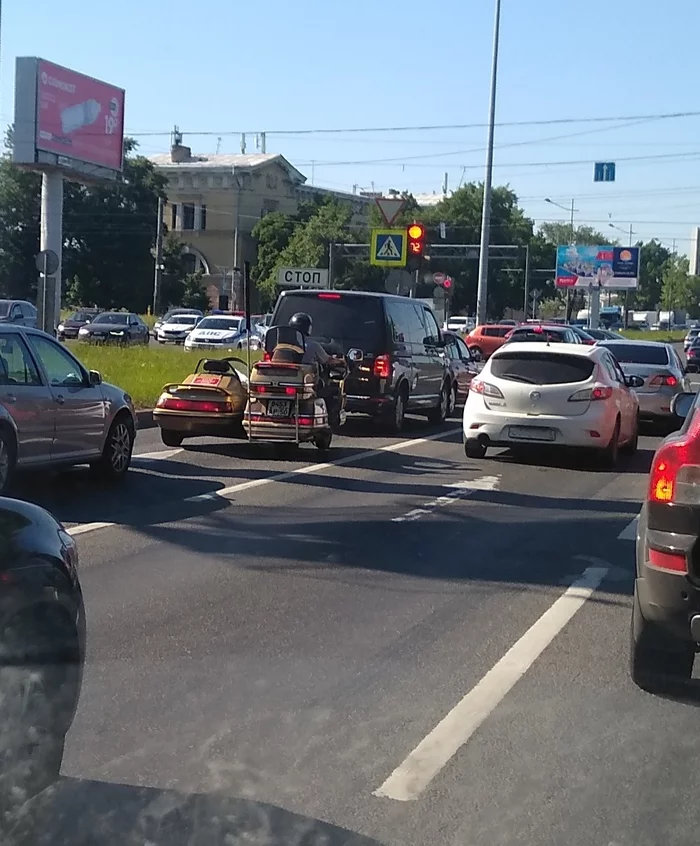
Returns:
(189, 262)
(204, 218)
(188, 215)
(173, 216)
(269, 206)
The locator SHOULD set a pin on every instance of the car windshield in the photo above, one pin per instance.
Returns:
(5, 307)
(638, 353)
(82, 316)
(342, 321)
(183, 319)
(227, 324)
(541, 368)
(111, 318)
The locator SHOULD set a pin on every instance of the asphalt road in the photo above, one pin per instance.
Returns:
(395, 646)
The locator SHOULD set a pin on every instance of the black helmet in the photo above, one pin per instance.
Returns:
(302, 322)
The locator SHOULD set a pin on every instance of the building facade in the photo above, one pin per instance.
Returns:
(214, 202)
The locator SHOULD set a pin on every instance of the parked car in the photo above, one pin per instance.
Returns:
(171, 313)
(54, 412)
(571, 395)
(17, 312)
(176, 329)
(543, 333)
(661, 370)
(689, 338)
(605, 335)
(459, 323)
(584, 335)
(69, 327)
(399, 363)
(42, 648)
(462, 367)
(115, 327)
(484, 340)
(666, 602)
(220, 332)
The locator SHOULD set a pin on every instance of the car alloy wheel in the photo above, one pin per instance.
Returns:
(452, 401)
(120, 447)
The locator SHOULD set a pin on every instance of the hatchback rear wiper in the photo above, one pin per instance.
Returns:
(515, 378)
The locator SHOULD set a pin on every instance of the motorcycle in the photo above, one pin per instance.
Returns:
(290, 402)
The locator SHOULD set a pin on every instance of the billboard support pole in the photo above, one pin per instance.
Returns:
(52, 239)
(158, 273)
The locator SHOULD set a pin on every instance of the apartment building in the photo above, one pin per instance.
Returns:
(214, 202)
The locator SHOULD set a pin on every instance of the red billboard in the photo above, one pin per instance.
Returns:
(79, 117)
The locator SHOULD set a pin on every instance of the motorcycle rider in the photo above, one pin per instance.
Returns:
(315, 354)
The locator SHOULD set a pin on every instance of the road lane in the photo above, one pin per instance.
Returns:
(292, 645)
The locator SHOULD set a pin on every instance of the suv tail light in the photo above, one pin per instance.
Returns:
(478, 386)
(382, 366)
(597, 392)
(675, 469)
(669, 380)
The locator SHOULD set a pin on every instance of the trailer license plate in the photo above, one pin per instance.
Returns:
(279, 408)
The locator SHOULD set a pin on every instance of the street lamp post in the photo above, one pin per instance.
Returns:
(482, 289)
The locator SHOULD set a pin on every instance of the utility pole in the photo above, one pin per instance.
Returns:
(235, 273)
(527, 278)
(482, 289)
(158, 272)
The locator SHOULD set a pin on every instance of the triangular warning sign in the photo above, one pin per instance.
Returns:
(389, 208)
(388, 250)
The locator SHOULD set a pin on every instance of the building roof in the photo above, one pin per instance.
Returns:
(226, 161)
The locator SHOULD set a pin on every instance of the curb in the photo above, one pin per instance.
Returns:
(144, 419)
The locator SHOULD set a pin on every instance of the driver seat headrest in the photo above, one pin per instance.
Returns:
(215, 365)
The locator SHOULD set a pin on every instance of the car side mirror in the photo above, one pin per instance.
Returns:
(634, 381)
(681, 404)
(95, 378)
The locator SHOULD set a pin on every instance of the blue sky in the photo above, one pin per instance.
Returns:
(226, 67)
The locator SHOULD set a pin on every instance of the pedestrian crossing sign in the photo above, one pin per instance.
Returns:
(388, 248)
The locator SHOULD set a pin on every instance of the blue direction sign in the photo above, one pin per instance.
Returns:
(604, 172)
(388, 248)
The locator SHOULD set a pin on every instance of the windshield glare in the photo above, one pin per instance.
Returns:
(111, 318)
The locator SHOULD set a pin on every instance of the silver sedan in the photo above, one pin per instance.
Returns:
(55, 412)
(662, 370)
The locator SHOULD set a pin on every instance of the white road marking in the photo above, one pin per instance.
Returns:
(161, 454)
(461, 490)
(412, 776)
(225, 493)
(630, 531)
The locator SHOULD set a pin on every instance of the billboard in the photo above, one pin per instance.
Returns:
(582, 266)
(68, 120)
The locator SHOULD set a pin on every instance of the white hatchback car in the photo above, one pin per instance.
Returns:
(532, 394)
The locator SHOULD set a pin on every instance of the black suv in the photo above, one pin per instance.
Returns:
(666, 606)
(403, 366)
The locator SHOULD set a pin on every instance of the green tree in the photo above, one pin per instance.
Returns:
(653, 262)
(20, 193)
(193, 293)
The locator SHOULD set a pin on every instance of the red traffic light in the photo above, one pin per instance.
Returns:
(447, 284)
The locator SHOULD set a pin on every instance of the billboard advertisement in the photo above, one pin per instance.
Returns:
(583, 266)
(66, 119)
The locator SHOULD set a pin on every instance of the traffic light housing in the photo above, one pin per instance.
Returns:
(445, 283)
(415, 245)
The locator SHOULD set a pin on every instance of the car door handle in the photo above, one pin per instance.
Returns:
(10, 398)
(59, 398)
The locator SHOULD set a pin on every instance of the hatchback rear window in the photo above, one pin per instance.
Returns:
(544, 335)
(343, 322)
(638, 353)
(535, 368)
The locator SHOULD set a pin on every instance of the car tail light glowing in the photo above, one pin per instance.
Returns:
(485, 389)
(675, 469)
(306, 421)
(668, 380)
(267, 356)
(291, 392)
(382, 366)
(674, 562)
(329, 296)
(597, 392)
(207, 406)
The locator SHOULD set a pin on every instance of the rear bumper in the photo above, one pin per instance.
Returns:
(568, 431)
(228, 426)
(655, 405)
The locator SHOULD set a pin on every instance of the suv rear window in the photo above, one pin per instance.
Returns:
(638, 353)
(535, 368)
(554, 335)
(339, 321)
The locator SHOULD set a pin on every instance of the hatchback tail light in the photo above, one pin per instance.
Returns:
(668, 380)
(382, 366)
(597, 392)
(675, 469)
(478, 386)
(672, 562)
